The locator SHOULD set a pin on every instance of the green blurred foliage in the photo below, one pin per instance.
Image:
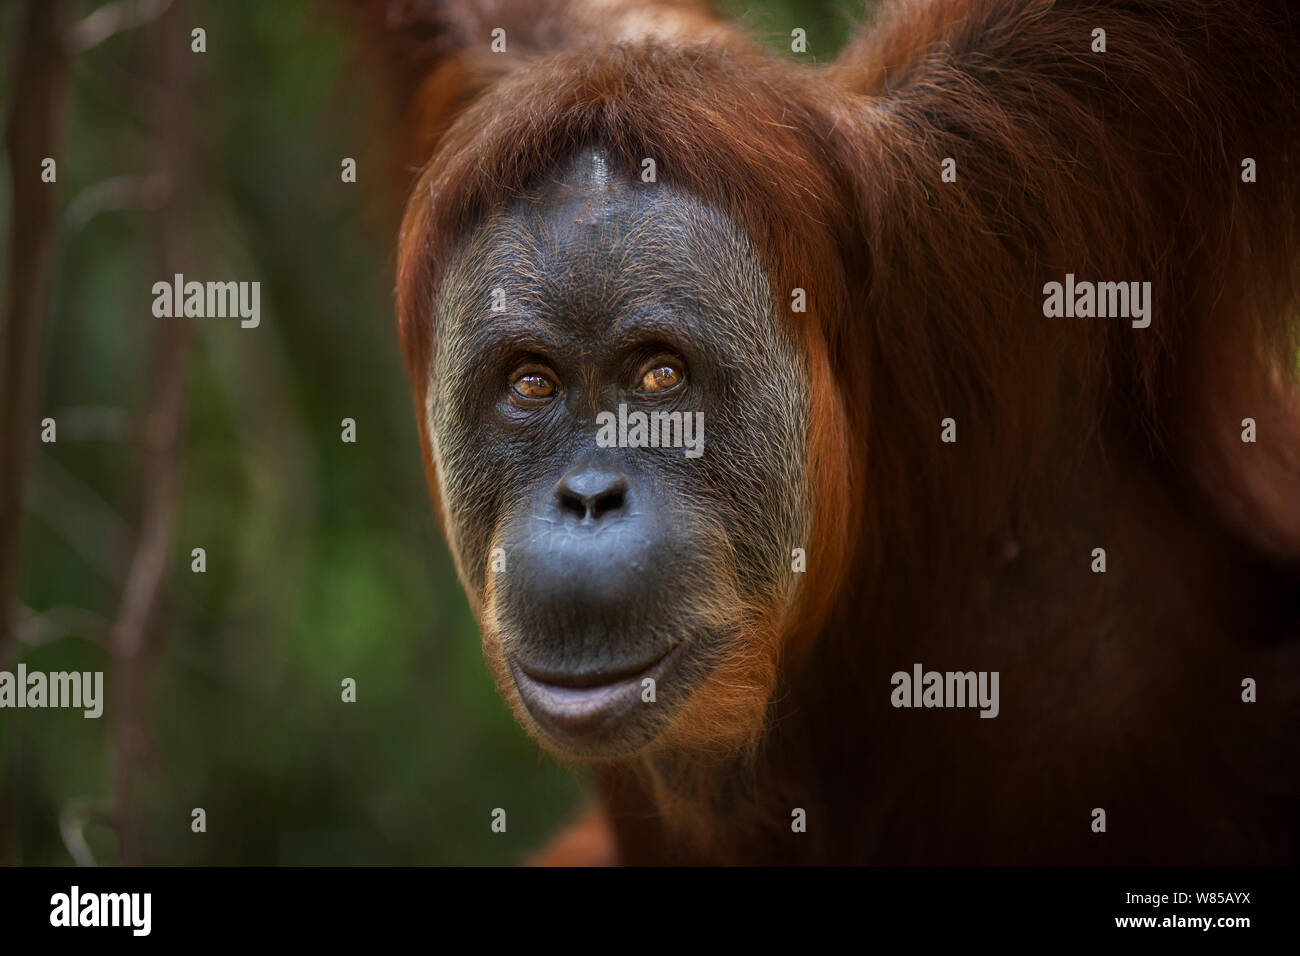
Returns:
(324, 559)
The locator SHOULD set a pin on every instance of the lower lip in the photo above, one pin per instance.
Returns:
(580, 715)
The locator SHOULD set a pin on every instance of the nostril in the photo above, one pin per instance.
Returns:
(611, 500)
(591, 492)
(571, 503)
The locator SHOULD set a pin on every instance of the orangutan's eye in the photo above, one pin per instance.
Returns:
(533, 384)
(661, 375)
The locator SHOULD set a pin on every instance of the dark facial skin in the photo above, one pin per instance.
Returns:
(593, 569)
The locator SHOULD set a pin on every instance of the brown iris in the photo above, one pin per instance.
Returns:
(660, 377)
(534, 385)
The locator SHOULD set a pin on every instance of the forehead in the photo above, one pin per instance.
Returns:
(592, 248)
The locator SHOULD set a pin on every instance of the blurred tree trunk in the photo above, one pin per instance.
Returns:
(33, 132)
(138, 616)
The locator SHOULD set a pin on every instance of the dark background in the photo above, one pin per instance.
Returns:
(324, 560)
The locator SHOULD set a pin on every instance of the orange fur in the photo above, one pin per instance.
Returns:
(924, 303)
(588, 841)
